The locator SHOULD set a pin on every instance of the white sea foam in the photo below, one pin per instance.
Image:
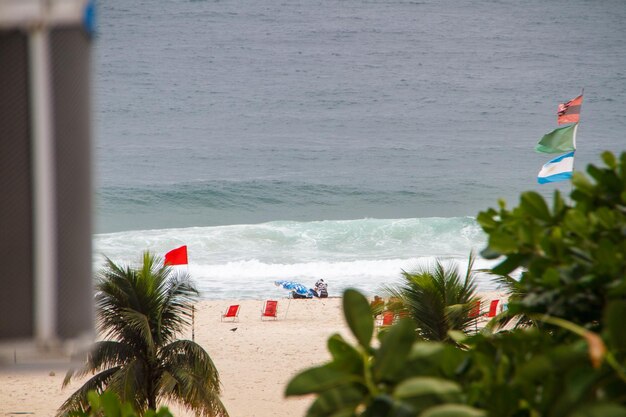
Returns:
(244, 260)
(252, 112)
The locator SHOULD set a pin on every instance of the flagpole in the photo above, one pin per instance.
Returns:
(582, 93)
(571, 183)
(193, 311)
(288, 304)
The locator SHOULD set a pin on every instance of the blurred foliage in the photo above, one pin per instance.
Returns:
(525, 372)
(572, 365)
(573, 257)
(397, 378)
(108, 404)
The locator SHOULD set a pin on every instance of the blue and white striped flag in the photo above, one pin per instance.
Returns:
(558, 169)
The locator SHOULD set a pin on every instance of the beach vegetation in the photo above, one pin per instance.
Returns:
(438, 298)
(572, 363)
(572, 256)
(567, 371)
(399, 376)
(140, 314)
(108, 404)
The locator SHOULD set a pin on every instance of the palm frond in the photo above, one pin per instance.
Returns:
(141, 310)
(438, 298)
(131, 384)
(189, 355)
(203, 402)
(142, 331)
(78, 400)
(103, 355)
(191, 378)
(177, 307)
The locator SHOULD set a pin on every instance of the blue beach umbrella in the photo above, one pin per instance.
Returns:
(295, 287)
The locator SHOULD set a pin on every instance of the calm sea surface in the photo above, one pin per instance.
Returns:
(338, 139)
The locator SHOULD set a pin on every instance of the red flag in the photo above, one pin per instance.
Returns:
(570, 112)
(176, 256)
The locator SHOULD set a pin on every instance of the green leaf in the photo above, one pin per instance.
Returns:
(581, 255)
(535, 205)
(485, 219)
(609, 159)
(381, 405)
(557, 203)
(128, 411)
(508, 265)
(336, 402)
(358, 316)
(502, 242)
(425, 349)
(614, 317)
(394, 349)
(110, 404)
(453, 410)
(489, 253)
(551, 278)
(345, 412)
(576, 222)
(164, 412)
(534, 370)
(94, 399)
(421, 386)
(315, 380)
(606, 217)
(345, 357)
(595, 172)
(582, 184)
(600, 410)
(458, 336)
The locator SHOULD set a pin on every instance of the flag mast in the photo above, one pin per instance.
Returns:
(582, 93)
(562, 139)
(571, 184)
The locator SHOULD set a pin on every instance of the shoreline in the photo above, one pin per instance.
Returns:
(255, 361)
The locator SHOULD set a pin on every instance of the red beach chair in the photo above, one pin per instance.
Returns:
(493, 308)
(388, 318)
(269, 309)
(231, 313)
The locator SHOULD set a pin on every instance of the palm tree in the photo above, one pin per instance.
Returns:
(437, 299)
(139, 314)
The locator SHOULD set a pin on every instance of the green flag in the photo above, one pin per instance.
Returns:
(559, 140)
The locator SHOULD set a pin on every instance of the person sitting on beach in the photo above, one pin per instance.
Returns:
(321, 288)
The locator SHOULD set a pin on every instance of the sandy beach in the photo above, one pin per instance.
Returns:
(255, 359)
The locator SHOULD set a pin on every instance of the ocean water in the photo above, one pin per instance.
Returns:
(345, 140)
(242, 261)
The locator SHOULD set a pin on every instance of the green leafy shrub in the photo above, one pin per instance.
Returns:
(573, 257)
(397, 378)
(526, 372)
(573, 284)
(108, 404)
